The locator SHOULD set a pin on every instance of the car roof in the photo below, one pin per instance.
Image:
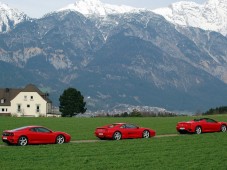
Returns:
(32, 126)
(25, 127)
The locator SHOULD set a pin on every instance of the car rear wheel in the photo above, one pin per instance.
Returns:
(198, 130)
(117, 136)
(60, 139)
(146, 134)
(22, 141)
(223, 128)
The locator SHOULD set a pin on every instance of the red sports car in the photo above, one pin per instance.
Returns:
(199, 126)
(119, 131)
(34, 135)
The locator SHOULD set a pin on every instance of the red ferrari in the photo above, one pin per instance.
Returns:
(119, 131)
(199, 126)
(34, 135)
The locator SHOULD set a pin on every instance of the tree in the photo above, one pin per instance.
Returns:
(135, 113)
(71, 103)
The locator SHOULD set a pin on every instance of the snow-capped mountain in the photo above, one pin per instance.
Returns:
(117, 56)
(9, 17)
(97, 8)
(212, 15)
(144, 61)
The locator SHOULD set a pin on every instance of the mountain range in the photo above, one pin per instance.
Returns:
(212, 15)
(117, 55)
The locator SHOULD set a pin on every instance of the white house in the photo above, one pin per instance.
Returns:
(27, 102)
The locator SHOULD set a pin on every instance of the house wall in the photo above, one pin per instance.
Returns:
(29, 104)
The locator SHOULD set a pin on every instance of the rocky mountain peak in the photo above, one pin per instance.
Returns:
(211, 15)
(9, 17)
(96, 7)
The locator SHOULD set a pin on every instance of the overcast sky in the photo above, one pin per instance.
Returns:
(37, 8)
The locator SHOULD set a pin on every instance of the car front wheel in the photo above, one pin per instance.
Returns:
(60, 139)
(223, 128)
(23, 141)
(198, 130)
(117, 136)
(146, 134)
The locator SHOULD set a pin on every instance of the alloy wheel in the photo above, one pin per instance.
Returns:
(60, 139)
(146, 134)
(23, 141)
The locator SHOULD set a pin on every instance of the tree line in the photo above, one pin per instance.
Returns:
(72, 103)
(137, 113)
(217, 110)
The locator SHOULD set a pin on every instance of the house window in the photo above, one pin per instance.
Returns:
(18, 108)
(31, 97)
(28, 105)
(37, 108)
(2, 100)
(3, 110)
(6, 110)
(25, 97)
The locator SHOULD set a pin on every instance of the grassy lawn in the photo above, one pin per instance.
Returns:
(206, 151)
(83, 128)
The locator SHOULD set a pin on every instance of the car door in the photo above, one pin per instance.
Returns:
(212, 125)
(41, 135)
(33, 136)
(131, 130)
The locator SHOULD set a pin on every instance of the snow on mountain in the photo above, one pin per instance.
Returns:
(9, 17)
(211, 15)
(96, 7)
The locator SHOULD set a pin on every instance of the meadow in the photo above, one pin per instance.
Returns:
(206, 151)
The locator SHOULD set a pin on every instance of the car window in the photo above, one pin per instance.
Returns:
(130, 126)
(211, 121)
(123, 126)
(41, 129)
(33, 129)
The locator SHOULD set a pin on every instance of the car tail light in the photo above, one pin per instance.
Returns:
(102, 130)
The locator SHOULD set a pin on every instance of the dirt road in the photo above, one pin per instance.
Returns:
(93, 141)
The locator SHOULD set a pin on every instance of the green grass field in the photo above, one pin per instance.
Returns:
(206, 151)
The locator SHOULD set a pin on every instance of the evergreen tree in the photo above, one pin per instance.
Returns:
(71, 103)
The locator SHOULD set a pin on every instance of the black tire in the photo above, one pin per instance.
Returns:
(117, 135)
(8, 143)
(223, 128)
(146, 134)
(60, 139)
(198, 130)
(102, 138)
(22, 141)
(182, 132)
